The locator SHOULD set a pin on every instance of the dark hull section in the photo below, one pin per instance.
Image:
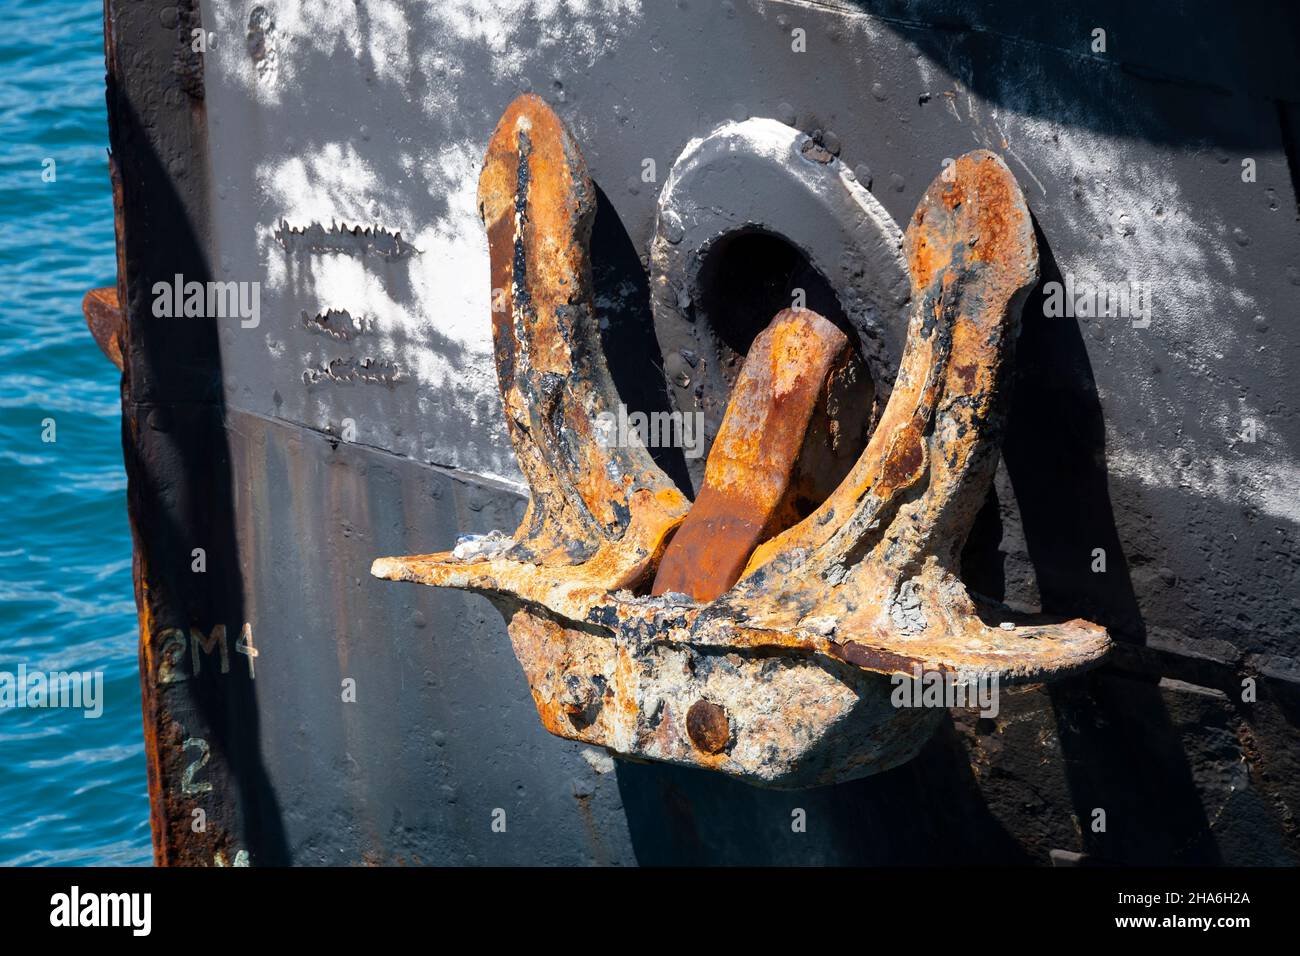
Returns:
(299, 711)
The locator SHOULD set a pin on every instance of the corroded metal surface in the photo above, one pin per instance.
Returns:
(799, 408)
(794, 660)
(104, 318)
(602, 508)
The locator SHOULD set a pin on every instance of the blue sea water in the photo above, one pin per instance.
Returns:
(72, 789)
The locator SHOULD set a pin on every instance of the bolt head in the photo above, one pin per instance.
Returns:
(707, 726)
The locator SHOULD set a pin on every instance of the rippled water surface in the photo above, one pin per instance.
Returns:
(72, 789)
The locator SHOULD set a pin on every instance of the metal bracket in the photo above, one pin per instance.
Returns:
(761, 177)
(785, 679)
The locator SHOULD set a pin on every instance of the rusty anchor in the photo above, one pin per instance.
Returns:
(784, 678)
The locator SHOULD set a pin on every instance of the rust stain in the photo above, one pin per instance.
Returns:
(886, 662)
(707, 726)
(103, 312)
(752, 487)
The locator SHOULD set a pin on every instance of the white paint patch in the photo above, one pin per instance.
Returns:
(776, 141)
(569, 29)
(330, 27)
(439, 332)
(335, 183)
(449, 276)
(516, 35)
(599, 760)
(1126, 219)
(387, 40)
(1131, 213)
(1268, 484)
(1127, 208)
(433, 321)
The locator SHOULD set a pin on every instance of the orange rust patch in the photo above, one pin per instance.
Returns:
(106, 321)
(953, 195)
(904, 461)
(996, 207)
(751, 487)
(708, 727)
(965, 374)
